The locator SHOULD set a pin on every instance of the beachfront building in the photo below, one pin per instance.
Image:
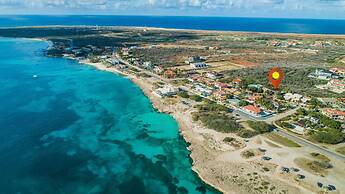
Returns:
(158, 70)
(166, 91)
(113, 61)
(148, 65)
(252, 110)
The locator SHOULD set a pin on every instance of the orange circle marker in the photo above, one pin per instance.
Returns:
(276, 76)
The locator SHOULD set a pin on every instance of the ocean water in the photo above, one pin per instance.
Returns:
(78, 130)
(305, 26)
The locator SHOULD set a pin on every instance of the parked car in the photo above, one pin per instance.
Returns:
(266, 158)
(300, 176)
(284, 169)
(319, 184)
(331, 188)
(294, 169)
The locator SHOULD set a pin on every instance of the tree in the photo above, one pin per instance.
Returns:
(260, 126)
(243, 103)
(183, 94)
(330, 136)
(302, 112)
(315, 102)
(196, 98)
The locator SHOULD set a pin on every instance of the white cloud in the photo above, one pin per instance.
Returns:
(180, 6)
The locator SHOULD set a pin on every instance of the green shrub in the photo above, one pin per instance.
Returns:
(218, 121)
(330, 136)
(228, 139)
(244, 133)
(260, 126)
(287, 125)
(196, 98)
(183, 94)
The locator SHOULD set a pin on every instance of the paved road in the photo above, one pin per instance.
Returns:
(306, 143)
(282, 115)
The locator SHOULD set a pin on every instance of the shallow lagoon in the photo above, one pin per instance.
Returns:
(75, 129)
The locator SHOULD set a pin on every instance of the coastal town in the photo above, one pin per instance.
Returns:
(295, 133)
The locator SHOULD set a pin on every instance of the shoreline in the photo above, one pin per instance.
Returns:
(159, 107)
(188, 30)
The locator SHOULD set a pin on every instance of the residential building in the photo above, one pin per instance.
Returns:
(252, 109)
(237, 81)
(323, 75)
(198, 65)
(337, 70)
(297, 128)
(148, 65)
(252, 99)
(194, 59)
(334, 114)
(113, 61)
(220, 85)
(293, 97)
(166, 91)
(213, 75)
(220, 95)
(169, 74)
(158, 70)
(203, 90)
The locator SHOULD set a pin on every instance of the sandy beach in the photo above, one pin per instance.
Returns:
(221, 164)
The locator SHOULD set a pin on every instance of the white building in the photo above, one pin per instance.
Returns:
(198, 65)
(293, 97)
(323, 75)
(213, 75)
(203, 90)
(147, 65)
(166, 91)
(298, 129)
(113, 61)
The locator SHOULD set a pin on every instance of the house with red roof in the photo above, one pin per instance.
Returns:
(252, 109)
(169, 74)
(334, 114)
(220, 95)
(237, 81)
(338, 70)
(252, 99)
(220, 85)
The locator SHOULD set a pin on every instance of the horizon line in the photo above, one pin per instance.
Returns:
(150, 15)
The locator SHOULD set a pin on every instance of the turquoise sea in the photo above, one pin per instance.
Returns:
(78, 130)
(281, 25)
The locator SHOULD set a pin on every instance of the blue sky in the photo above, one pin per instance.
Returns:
(238, 8)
